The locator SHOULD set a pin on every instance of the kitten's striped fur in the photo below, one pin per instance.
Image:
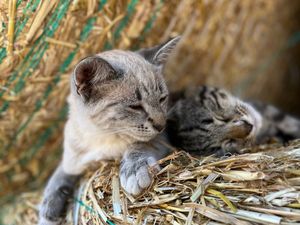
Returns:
(209, 120)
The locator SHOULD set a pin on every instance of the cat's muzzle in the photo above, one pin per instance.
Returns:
(239, 129)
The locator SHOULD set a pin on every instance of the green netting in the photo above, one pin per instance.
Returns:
(130, 9)
(35, 54)
(20, 24)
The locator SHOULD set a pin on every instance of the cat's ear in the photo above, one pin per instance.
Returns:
(91, 72)
(158, 54)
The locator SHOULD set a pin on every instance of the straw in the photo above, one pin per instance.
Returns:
(171, 198)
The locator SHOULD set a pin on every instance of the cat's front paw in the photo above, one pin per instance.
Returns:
(134, 172)
(53, 208)
(233, 146)
(45, 221)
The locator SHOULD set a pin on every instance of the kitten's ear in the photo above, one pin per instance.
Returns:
(90, 72)
(158, 54)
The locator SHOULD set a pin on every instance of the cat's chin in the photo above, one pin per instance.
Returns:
(142, 138)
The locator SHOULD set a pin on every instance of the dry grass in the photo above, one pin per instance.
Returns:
(261, 186)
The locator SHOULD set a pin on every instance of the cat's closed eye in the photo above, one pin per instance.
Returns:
(162, 99)
(207, 121)
(226, 120)
(136, 107)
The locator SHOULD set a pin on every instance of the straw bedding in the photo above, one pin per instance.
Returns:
(260, 186)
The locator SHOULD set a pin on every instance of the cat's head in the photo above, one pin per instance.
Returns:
(212, 118)
(122, 92)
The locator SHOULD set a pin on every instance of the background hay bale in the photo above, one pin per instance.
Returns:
(236, 44)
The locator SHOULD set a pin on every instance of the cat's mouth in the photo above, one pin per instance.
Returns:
(243, 130)
(141, 137)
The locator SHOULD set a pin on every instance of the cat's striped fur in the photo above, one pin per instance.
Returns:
(210, 120)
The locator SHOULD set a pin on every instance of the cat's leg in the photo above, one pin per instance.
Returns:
(58, 191)
(289, 128)
(61, 186)
(134, 169)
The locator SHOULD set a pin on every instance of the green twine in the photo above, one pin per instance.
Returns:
(20, 24)
(18, 2)
(149, 25)
(32, 61)
(122, 24)
(92, 211)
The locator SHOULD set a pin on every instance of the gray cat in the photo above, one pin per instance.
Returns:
(210, 120)
(118, 108)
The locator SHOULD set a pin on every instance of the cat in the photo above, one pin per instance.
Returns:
(117, 109)
(209, 120)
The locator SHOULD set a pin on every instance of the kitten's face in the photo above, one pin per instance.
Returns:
(233, 118)
(124, 92)
(135, 105)
(211, 119)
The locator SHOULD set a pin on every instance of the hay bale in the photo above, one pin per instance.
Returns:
(43, 40)
(260, 186)
(239, 45)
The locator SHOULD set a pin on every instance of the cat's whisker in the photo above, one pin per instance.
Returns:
(110, 132)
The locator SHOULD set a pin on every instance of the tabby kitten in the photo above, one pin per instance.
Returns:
(118, 108)
(210, 120)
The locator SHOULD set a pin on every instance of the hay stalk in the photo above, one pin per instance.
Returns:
(11, 25)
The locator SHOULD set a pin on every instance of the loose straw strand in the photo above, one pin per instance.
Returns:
(11, 26)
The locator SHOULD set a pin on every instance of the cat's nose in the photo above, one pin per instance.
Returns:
(159, 127)
(158, 124)
(239, 129)
(247, 126)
